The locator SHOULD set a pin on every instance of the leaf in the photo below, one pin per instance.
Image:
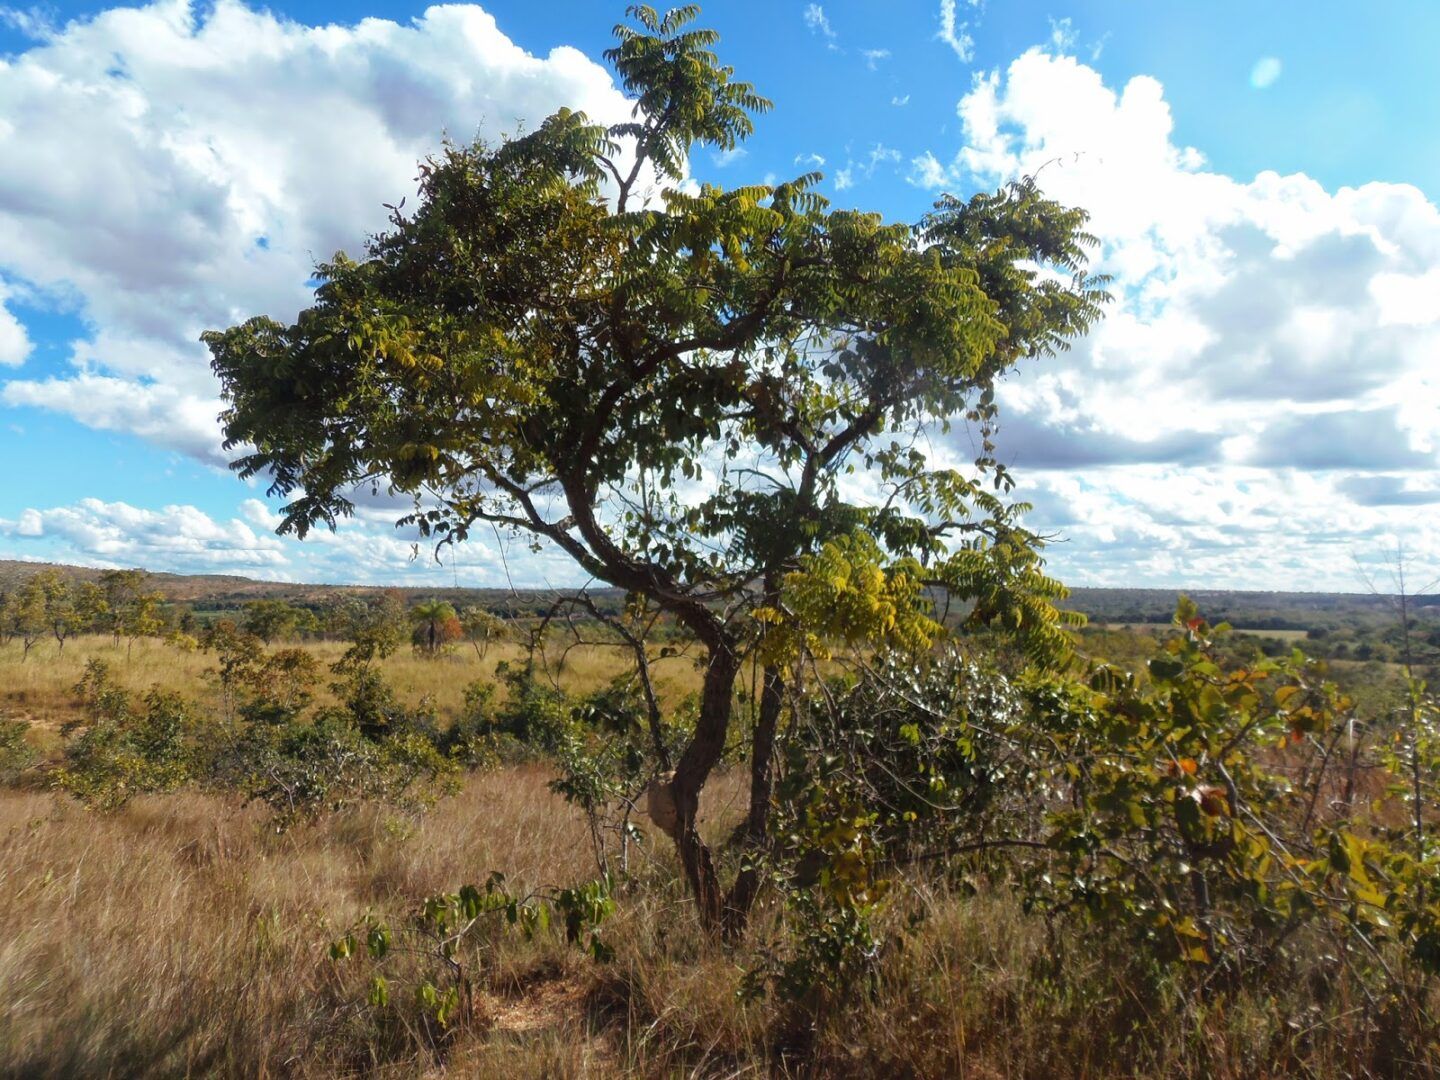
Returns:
(379, 995)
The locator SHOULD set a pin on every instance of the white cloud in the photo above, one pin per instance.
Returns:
(812, 161)
(1063, 35)
(33, 22)
(173, 538)
(955, 33)
(874, 56)
(1265, 72)
(854, 171)
(819, 23)
(15, 344)
(184, 539)
(1268, 335)
(900, 100)
(158, 412)
(728, 157)
(173, 169)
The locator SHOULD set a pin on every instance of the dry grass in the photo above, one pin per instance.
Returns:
(39, 689)
(182, 937)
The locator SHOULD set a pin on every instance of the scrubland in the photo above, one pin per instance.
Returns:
(183, 935)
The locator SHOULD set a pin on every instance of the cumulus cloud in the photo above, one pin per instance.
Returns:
(159, 412)
(1266, 333)
(171, 169)
(173, 538)
(184, 539)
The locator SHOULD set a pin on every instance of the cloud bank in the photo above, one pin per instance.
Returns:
(164, 171)
(1264, 392)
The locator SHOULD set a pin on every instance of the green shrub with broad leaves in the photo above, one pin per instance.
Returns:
(449, 937)
(1207, 816)
(125, 748)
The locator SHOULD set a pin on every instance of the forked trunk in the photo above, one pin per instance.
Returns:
(752, 835)
(721, 910)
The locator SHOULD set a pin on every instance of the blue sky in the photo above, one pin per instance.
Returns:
(1260, 409)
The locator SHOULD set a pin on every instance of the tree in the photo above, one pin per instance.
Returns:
(142, 617)
(374, 629)
(29, 616)
(62, 611)
(121, 589)
(480, 628)
(271, 620)
(91, 607)
(128, 609)
(435, 624)
(669, 386)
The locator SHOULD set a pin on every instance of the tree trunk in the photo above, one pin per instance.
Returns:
(693, 769)
(753, 833)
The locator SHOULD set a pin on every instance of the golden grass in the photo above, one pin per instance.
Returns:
(40, 689)
(181, 936)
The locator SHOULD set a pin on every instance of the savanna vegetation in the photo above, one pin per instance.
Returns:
(829, 782)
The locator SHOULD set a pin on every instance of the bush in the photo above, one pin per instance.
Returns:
(122, 750)
(16, 753)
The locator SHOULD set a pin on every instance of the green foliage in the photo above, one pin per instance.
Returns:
(900, 765)
(374, 629)
(277, 620)
(606, 760)
(551, 343)
(16, 752)
(300, 770)
(126, 608)
(1212, 815)
(436, 625)
(1213, 810)
(302, 763)
(124, 750)
(27, 615)
(450, 933)
(481, 628)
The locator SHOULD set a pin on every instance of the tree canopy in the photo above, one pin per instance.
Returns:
(716, 399)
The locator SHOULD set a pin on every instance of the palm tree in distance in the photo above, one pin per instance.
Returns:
(430, 616)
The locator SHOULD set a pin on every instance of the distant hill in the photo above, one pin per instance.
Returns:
(225, 591)
(1246, 609)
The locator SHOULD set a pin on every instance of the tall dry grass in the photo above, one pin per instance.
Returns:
(40, 688)
(181, 936)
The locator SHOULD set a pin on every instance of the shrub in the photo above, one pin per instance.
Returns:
(122, 750)
(16, 753)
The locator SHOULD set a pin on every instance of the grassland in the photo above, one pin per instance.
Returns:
(182, 936)
(40, 688)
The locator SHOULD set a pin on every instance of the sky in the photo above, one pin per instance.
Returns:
(1259, 409)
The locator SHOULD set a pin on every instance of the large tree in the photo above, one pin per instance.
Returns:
(669, 384)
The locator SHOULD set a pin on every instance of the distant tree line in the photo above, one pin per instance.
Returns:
(50, 606)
